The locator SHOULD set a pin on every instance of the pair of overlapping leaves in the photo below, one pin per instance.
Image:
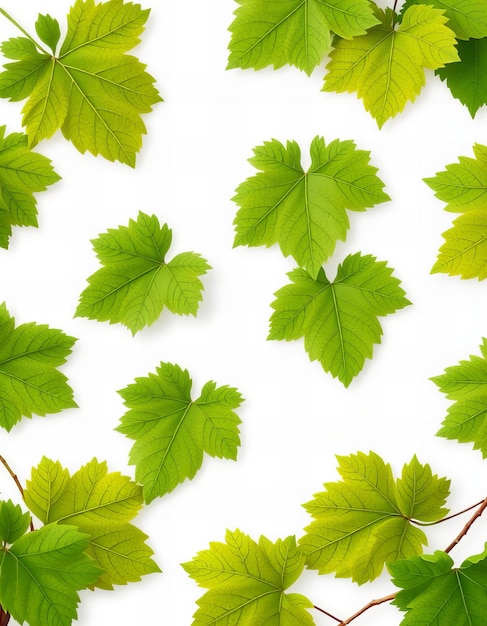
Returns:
(362, 522)
(87, 540)
(379, 54)
(89, 88)
(463, 186)
(305, 212)
(467, 78)
(465, 384)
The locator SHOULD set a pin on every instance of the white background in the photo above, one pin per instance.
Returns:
(296, 417)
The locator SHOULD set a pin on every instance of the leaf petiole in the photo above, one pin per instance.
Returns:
(21, 489)
(449, 517)
(337, 619)
(23, 31)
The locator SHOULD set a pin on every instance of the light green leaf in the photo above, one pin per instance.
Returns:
(467, 18)
(386, 66)
(463, 186)
(90, 89)
(98, 504)
(137, 282)
(29, 380)
(22, 173)
(420, 494)
(435, 593)
(466, 384)
(247, 581)
(41, 573)
(364, 521)
(305, 212)
(467, 80)
(339, 319)
(48, 30)
(172, 431)
(13, 522)
(293, 31)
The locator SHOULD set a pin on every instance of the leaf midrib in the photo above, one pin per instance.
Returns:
(14, 357)
(125, 284)
(455, 257)
(30, 573)
(171, 442)
(94, 508)
(100, 37)
(96, 112)
(274, 27)
(348, 534)
(28, 384)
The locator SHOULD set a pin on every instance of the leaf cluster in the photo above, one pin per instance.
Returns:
(306, 213)
(86, 541)
(381, 55)
(366, 520)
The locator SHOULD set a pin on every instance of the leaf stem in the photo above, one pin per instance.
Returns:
(24, 32)
(19, 487)
(445, 519)
(337, 619)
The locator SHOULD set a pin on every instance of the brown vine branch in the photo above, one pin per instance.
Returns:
(4, 617)
(481, 507)
(21, 489)
(468, 525)
(368, 606)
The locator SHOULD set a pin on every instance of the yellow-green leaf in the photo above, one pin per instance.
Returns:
(386, 66)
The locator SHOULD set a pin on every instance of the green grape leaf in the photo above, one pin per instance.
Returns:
(467, 80)
(13, 523)
(171, 431)
(467, 18)
(305, 212)
(463, 186)
(22, 173)
(466, 384)
(136, 282)
(41, 573)
(420, 494)
(339, 319)
(247, 582)
(364, 521)
(101, 505)
(433, 592)
(29, 380)
(386, 66)
(90, 89)
(297, 32)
